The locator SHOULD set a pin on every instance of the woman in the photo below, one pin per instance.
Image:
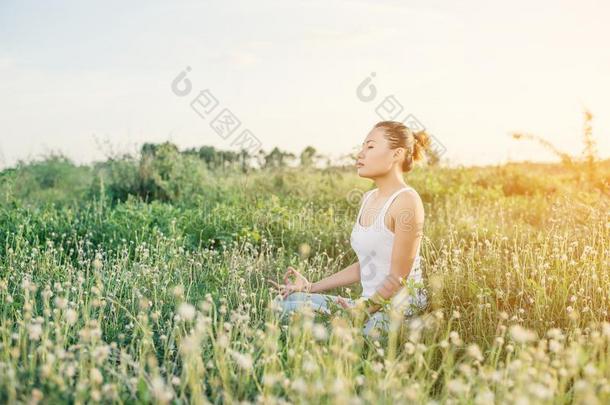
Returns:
(386, 235)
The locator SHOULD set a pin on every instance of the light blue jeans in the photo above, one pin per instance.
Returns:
(320, 302)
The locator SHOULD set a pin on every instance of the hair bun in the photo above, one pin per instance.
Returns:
(422, 142)
(401, 136)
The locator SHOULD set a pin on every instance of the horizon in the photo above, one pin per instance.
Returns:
(336, 161)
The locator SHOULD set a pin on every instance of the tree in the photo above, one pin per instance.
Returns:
(277, 158)
(309, 156)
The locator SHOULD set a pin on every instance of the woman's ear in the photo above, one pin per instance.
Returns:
(399, 153)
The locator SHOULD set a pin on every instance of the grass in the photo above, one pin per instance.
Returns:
(165, 301)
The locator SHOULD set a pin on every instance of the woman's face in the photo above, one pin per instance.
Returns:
(376, 158)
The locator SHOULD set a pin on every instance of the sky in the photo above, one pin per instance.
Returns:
(90, 80)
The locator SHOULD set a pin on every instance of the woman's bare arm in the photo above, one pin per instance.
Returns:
(347, 276)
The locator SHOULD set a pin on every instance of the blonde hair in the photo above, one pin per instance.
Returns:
(401, 136)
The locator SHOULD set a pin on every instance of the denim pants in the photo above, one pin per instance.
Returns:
(320, 302)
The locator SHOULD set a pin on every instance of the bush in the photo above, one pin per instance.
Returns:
(162, 174)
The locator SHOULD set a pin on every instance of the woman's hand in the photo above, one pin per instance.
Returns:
(299, 283)
(354, 306)
(341, 301)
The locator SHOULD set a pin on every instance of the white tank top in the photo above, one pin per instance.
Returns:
(373, 246)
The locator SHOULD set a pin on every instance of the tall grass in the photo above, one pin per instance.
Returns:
(165, 301)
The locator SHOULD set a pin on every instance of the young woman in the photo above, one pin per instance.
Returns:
(386, 235)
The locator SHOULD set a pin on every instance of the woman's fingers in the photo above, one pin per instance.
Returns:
(279, 287)
(289, 271)
(288, 287)
(298, 277)
(276, 285)
(342, 302)
(289, 290)
(283, 290)
(286, 275)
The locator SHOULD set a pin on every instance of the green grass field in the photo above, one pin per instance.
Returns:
(134, 283)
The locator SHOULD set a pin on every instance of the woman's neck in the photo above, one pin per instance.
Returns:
(387, 186)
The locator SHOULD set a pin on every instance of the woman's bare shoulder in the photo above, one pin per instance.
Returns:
(408, 201)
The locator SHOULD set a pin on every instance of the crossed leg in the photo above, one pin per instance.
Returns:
(321, 303)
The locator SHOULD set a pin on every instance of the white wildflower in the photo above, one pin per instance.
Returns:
(299, 385)
(243, 360)
(178, 291)
(474, 351)
(96, 376)
(35, 331)
(409, 348)
(457, 387)
(554, 346)
(159, 390)
(319, 332)
(484, 397)
(71, 316)
(521, 335)
(189, 345)
(186, 311)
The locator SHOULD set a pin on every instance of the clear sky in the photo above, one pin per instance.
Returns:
(86, 79)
